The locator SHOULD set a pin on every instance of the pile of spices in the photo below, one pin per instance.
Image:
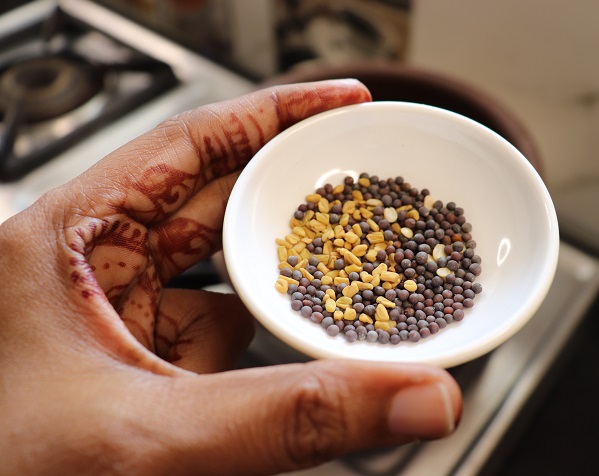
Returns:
(379, 260)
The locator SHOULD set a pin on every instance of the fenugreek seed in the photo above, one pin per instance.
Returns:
(295, 222)
(362, 285)
(351, 290)
(306, 275)
(351, 237)
(330, 305)
(338, 315)
(282, 253)
(338, 280)
(366, 277)
(305, 254)
(284, 264)
(376, 237)
(396, 227)
(366, 214)
(376, 280)
(343, 274)
(299, 231)
(316, 226)
(410, 285)
(385, 302)
(443, 272)
(356, 215)
(383, 325)
(428, 201)
(323, 205)
(307, 239)
(439, 251)
(389, 276)
(331, 294)
(405, 207)
(348, 246)
(351, 258)
(281, 286)
(339, 242)
(374, 202)
(313, 197)
(407, 232)
(387, 285)
(349, 314)
(381, 313)
(289, 280)
(359, 250)
(413, 214)
(321, 266)
(390, 214)
(365, 318)
(327, 248)
(299, 246)
(301, 264)
(344, 220)
(372, 224)
(322, 218)
(357, 230)
(380, 269)
(371, 255)
(357, 195)
(348, 207)
(326, 280)
(284, 243)
(352, 268)
(364, 182)
(343, 302)
(338, 189)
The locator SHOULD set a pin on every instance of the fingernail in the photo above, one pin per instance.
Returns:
(423, 411)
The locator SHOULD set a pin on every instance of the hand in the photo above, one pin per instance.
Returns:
(103, 370)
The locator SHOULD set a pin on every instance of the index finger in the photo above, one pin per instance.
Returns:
(153, 176)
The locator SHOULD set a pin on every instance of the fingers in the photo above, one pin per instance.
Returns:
(289, 417)
(201, 331)
(155, 174)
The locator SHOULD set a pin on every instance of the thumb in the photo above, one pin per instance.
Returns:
(283, 418)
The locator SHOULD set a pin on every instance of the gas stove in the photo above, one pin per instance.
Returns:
(135, 79)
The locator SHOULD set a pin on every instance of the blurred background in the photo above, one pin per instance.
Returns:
(529, 70)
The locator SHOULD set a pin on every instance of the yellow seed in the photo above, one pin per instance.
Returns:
(362, 285)
(351, 290)
(365, 318)
(353, 268)
(389, 276)
(381, 313)
(443, 272)
(349, 314)
(305, 254)
(348, 207)
(385, 302)
(386, 286)
(366, 214)
(316, 226)
(352, 258)
(366, 277)
(309, 233)
(314, 197)
(439, 251)
(376, 237)
(299, 231)
(372, 224)
(405, 207)
(282, 252)
(348, 246)
(392, 323)
(384, 325)
(357, 230)
(284, 264)
(351, 237)
(323, 205)
(326, 280)
(343, 302)
(357, 195)
(360, 250)
(338, 315)
(327, 248)
(307, 239)
(344, 220)
(376, 280)
(407, 232)
(343, 274)
(299, 246)
(306, 275)
(339, 279)
(330, 305)
(428, 201)
(282, 286)
(327, 235)
(339, 242)
(414, 214)
(295, 222)
(364, 182)
(380, 269)
(301, 264)
(396, 227)
(333, 274)
(356, 214)
(289, 280)
(322, 218)
(374, 202)
(410, 285)
(331, 293)
(371, 255)
(338, 189)
(281, 242)
(390, 214)
(321, 266)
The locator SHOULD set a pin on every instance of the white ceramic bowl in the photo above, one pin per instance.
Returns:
(457, 159)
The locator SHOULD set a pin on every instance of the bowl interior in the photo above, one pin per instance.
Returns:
(454, 157)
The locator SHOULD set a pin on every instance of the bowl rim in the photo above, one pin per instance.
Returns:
(471, 352)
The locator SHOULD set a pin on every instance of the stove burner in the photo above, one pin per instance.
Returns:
(47, 87)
